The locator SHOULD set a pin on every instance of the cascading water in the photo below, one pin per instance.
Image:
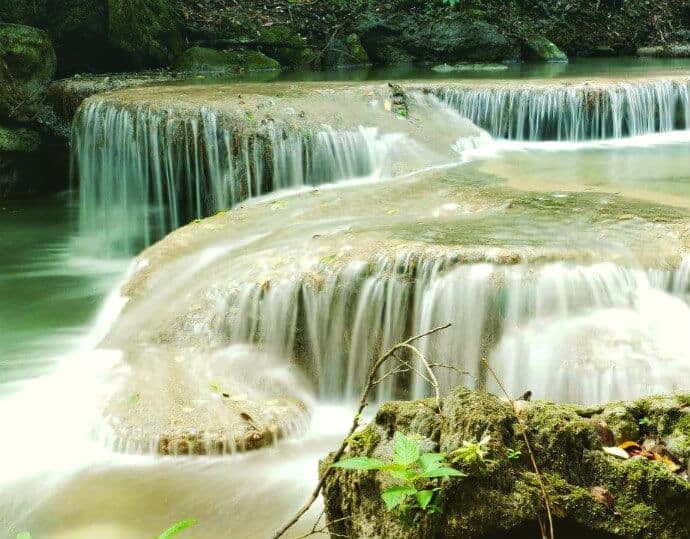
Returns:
(568, 326)
(574, 112)
(144, 172)
(336, 323)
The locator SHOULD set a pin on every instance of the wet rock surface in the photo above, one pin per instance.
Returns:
(592, 493)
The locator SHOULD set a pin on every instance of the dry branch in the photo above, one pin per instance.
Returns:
(364, 400)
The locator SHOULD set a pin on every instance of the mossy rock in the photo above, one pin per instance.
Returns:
(201, 59)
(591, 493)
(285, 45)
(27, 65)
(18, 140)
(541, 49)
(346, 52)
(147, 30)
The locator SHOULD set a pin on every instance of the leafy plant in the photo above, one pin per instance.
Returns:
(24, 535)
(513, 454)
(451, 3)
(411, 468)
(472, 452)
(177, 528)
(644, 421)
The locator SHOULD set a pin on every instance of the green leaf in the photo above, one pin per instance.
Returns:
(443, 472)
(24, 535)
(177, 528)
(424, 497)
(405, 450)
(431, 461)
(359, 463)
(404, 474)
(394, 496)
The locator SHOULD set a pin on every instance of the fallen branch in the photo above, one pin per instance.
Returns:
(364, 400)
(535, 467)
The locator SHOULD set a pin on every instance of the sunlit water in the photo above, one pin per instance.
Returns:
(60, 297)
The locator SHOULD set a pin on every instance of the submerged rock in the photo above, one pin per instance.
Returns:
(541, 49)
(200, 59)
(592, 494)
(27, 61)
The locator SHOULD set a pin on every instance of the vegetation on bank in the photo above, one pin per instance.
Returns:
(106, 35)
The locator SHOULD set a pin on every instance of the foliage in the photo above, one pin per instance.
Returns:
(177, 528)
(411, 469)
(473, 452)
(24, 535)
(513, 454)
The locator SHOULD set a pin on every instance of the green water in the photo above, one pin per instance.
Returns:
(582, 67)
(50, 287)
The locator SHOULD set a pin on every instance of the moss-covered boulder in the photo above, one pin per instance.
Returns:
(27, 65)
(449, 39)
(285, 45)
(541, 49)
(592, 493)
(204, 60)
(146, 30)
(348, 51)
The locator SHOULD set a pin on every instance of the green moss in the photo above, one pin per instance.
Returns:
(280, 36)
(200, 59)
(503, 498)
(29, 63)
(295, 57)
(146, 29)
(356, 51)
(541, 49)
(18, 140)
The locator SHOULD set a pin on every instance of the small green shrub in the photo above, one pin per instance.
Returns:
(411, 469)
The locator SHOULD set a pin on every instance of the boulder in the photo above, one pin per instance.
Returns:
(147, 30)
(541, 49)
(285, 45)
(345, 52)
(201, 59)
(77, 28)
(406, 37)
(592, 493)
(27, 65)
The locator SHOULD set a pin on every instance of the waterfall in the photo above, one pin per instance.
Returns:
(574, 112)
(145, 171)
(335, 323)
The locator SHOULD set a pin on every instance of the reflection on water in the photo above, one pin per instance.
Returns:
(577, 67)
(50, 287)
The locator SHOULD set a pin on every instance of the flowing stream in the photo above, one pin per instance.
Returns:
(546, 221)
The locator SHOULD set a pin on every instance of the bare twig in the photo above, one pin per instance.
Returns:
(535, 467)
(315, 530)
(364, 400)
